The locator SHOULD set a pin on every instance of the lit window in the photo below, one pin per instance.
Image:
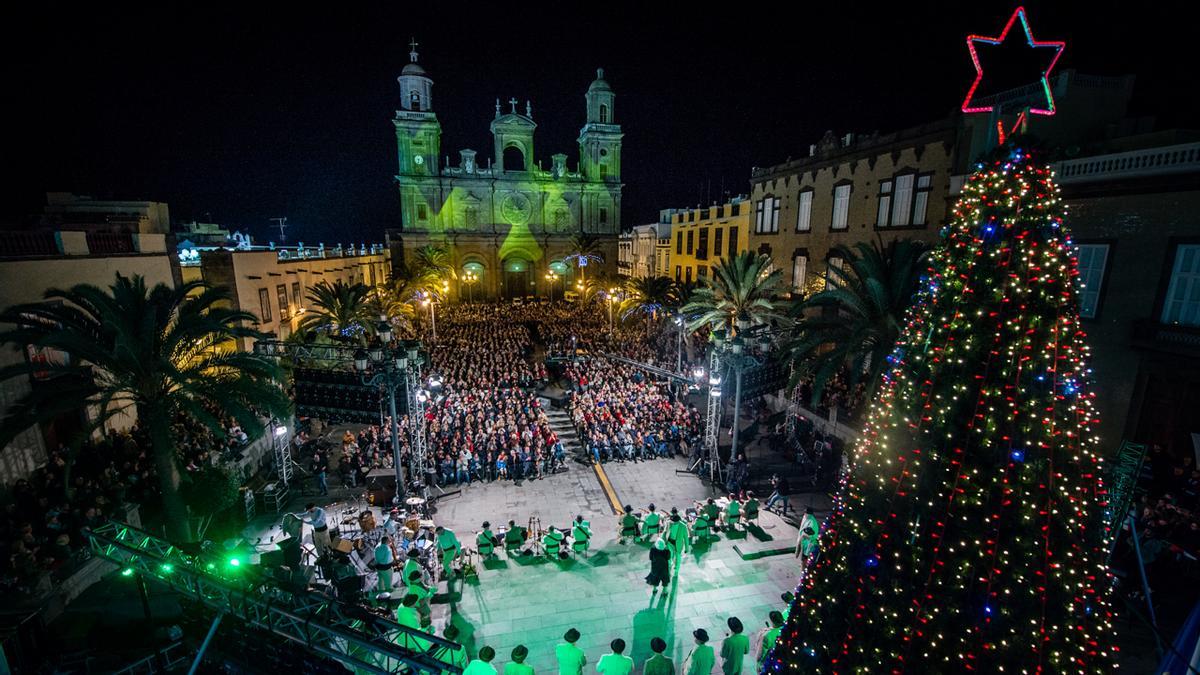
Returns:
(885, 203)
(766, 217)
(902, 204)
(921, 205)
(799, 272)
(264, 302)
(804, 211)
(841, 206)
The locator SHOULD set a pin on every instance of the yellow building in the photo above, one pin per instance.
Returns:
(701, 238)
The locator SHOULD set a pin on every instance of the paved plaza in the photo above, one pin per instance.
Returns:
(533, 601)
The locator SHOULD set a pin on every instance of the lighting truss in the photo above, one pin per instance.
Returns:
(338, 630)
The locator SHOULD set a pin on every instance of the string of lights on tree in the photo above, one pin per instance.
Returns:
(968, 535)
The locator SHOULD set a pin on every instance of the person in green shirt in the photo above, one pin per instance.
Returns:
(711, 511)
(651, 523)
(615, 663)
(677, 539)
(458, 655)
(517, 665)
(514, 538)
(657, 664)
(552, 542)
(702, 658)
(483, 664)
(733, 513)
(571, 659)
(449, 547)
(769, 637)
(485, 541)
(629, 525)
(581, 535)
(734, 648)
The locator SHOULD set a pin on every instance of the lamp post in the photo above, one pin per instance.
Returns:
(612, 300)
(552, 277)
(679, 344)
(381, 366)
(470, 278)
(428, 301)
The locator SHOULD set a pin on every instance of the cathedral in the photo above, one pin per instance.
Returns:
(505, 221)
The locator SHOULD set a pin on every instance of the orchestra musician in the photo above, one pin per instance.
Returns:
(651, 523)
(486, 541)
(629, 525)
(449, 547)
(415, 585)
(711, 511)
(515, 536)
(732, 514)
(385, 558)
(581, 535)
(677, 538)
(552, 542)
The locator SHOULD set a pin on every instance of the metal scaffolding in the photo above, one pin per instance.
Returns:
(348, 633)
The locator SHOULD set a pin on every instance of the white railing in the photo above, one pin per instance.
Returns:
(1168, 159)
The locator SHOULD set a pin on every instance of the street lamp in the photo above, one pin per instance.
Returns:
(612, 300)
(470, 278)
(387, 365)
(552, 277)
(428, 302)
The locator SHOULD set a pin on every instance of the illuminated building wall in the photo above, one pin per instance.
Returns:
(702, 237)
(507, 218)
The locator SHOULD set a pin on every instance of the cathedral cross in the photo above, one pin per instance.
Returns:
(513, 102)
(413, 46)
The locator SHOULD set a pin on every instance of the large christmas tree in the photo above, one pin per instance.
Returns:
(968, 534)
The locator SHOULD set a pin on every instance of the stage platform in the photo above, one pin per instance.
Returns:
(533, 601)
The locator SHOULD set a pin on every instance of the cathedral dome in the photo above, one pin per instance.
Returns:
(599, 84)
(412, 69)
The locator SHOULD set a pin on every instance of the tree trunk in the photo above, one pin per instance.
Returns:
(166, 465)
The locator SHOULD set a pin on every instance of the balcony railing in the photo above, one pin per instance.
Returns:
(1149, 333)
(27, 244)
(108, 243)
(1170, 159)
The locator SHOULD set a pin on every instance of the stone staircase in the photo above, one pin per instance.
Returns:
(560, 422)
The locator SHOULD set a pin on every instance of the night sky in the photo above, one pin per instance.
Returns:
(237, 115)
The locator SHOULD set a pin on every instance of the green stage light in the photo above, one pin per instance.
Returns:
(127, 572)
(234, 562)
(166, 568)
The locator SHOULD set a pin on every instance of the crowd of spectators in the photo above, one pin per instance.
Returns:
(45, 515)
(1167, 517)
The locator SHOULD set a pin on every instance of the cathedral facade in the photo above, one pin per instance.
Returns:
(505, 221)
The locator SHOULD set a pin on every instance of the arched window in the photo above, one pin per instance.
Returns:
(514, 159)
(603, 114)
(414, 99)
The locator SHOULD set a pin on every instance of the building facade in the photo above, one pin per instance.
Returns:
(701, 238)
(506, 219)
(638, 248)
(273, 283)
(32, 262)
(850, 189)
(1132, 212)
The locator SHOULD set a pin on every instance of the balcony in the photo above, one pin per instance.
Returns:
(1170, 159)
(1183, 340)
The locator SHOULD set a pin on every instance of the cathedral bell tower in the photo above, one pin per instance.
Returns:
(418, 133)
(600, 137)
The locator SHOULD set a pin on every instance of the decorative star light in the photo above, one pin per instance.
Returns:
(1053, 48)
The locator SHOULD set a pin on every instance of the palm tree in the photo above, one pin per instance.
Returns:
(855, 321)
(584, 249)
(743, 286)
(650, 295)
(155, 352)
(338, 309)
(431, 265)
